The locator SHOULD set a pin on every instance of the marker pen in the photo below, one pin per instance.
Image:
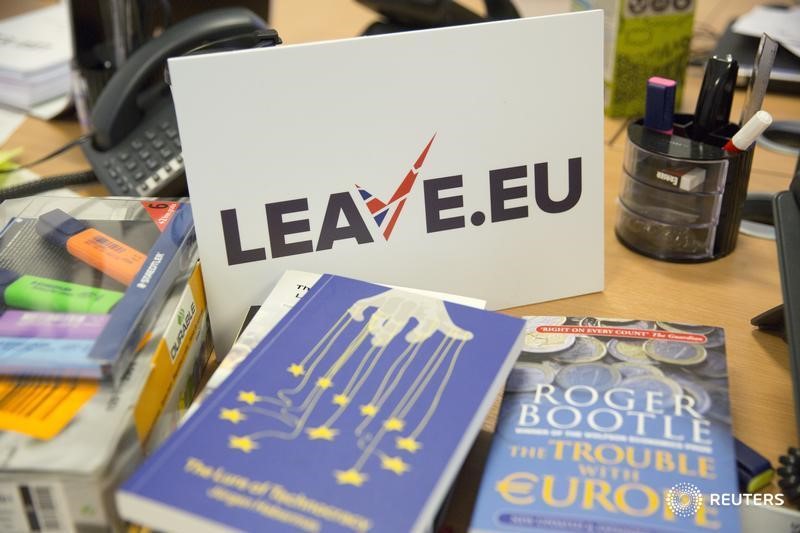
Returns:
(36, 324)
(659, 104)
(24, 356)
(716, 96)
(748, 133)
(44, 294)
(111, 257)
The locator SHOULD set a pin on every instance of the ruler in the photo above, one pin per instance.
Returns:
(759, 79)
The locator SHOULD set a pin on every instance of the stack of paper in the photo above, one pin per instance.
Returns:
(35, 50)
(782, 24)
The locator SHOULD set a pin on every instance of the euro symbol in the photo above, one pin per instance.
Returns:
(517, 487)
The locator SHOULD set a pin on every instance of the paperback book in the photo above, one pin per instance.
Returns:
(354, 413)
(290, 288)
(612, 425)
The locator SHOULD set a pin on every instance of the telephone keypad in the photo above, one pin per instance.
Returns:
(147, 162)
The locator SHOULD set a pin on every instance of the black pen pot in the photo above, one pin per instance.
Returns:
(681, 199)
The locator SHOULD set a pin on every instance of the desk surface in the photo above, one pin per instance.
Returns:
(726, 292)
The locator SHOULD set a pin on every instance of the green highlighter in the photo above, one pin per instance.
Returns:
(44, 294)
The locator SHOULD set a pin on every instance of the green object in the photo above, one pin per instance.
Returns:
(6, 159)
(45, 294)
(7, 165)
(642, 39)
(760, 481)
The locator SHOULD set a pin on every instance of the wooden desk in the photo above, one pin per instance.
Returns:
(727, 292)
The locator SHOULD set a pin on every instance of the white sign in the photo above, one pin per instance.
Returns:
(466, 160)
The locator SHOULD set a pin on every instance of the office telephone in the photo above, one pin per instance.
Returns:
(408, 15)
(135, 148)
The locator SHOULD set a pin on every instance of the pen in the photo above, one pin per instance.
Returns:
(35, 293)
(108, 255)
(753, 469)
(716, 96)
(659, 104)
(748, 133)
(42, 325)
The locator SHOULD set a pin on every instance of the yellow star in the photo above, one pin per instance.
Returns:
(369, 410)
(340, 399)
(350, 477)
(296, 370)
(408, 444)
(322, 432)
(324, 383)
(394, 464)
(248, 397)
(394, 424)
(246, 444)
(232, 415)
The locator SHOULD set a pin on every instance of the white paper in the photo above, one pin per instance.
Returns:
(35, 41)
(51, 108)
(35, 50)
(783, 25)
(305, 124)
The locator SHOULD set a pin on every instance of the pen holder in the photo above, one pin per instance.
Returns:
(680, 199)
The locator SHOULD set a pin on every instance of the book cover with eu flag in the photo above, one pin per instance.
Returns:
(353, 414)
(613, 425)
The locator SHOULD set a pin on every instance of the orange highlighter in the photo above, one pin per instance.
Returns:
(108, 255)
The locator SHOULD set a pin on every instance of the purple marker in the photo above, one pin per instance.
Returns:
(39, 325)
(659, 104)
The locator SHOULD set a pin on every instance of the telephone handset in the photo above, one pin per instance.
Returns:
(135, 148)
(407, 15)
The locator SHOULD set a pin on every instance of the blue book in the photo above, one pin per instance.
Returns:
(353, 414)
(613, 425)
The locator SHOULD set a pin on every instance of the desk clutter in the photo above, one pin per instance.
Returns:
(90, 276)
(129, 402)
(103, 340)
(349, 406)
(685, 176)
